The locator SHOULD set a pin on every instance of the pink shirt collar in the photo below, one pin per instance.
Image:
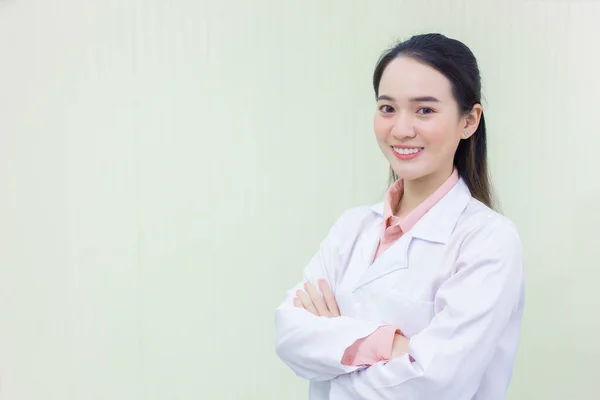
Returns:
(394, 194)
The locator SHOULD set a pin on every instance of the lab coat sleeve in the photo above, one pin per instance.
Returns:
(310, 345)
(473, 308)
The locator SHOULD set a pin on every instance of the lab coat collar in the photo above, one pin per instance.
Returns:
(438, 223)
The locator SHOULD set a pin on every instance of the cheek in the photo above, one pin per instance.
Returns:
(381, 127)
(439, 135)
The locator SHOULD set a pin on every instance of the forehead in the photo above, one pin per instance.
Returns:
(405, 77)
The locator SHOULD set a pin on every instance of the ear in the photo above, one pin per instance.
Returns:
(472, 120)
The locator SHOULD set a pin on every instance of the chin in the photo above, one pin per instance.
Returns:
(409, 174)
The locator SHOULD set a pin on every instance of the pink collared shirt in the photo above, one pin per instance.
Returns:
(378, 346)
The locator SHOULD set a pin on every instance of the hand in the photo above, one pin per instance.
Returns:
(399, 345)
(312, 301)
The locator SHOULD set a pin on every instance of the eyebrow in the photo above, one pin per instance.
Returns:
(420, 99)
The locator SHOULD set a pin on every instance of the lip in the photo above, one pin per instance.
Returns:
(405, 157)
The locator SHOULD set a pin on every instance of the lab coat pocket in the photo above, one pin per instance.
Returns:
(409, 315)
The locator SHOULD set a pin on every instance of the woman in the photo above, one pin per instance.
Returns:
(421, 296)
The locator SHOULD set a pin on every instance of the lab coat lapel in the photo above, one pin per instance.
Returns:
(368, 244)
(438, 224)
(435, 226)
(392, 259)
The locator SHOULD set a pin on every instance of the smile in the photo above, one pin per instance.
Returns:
(407, 153)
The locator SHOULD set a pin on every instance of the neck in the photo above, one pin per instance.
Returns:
(418, 190)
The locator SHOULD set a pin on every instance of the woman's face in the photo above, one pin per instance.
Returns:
(417, 123)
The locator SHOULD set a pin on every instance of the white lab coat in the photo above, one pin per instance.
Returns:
(453, 284)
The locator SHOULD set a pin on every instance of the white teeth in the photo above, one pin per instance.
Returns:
(406, 151)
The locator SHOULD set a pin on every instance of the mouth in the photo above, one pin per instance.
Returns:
(407, 153)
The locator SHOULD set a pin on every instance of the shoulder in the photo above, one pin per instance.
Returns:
(487, 229)
(489, 245)
(351, 222)
(363, 211)
(361, 215)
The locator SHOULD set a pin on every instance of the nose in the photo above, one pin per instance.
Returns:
(403, 127)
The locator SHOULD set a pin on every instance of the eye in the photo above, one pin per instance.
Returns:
(386, 109)
(425, 110)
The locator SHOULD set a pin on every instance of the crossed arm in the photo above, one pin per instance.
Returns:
(324, 305)
(451, 355)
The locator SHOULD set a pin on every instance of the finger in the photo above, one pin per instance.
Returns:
(298, 302)
(329, 298)
(317, 299)
(306, 302)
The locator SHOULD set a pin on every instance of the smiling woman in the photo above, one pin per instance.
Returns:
(420, 296)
